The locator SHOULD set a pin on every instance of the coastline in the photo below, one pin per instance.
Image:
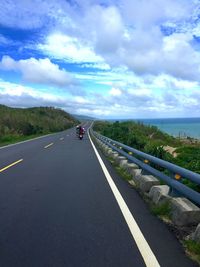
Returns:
(184, 129)
(189, 140)
(181, 128)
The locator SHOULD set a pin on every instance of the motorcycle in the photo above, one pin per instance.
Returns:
(80, 132)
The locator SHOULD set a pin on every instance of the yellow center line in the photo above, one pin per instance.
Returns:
(48, 145)
(12, 164)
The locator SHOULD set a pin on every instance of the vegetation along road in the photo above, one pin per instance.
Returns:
(62, 204)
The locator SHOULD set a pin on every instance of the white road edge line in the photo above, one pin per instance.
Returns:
(144, 248)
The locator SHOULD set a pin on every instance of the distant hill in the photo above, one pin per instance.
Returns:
(31, 121)
(83, 118)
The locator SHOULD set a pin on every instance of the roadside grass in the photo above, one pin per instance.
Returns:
(192, 249)
(123, 173)
(163, 211)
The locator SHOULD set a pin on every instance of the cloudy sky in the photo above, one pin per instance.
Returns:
(102, 58)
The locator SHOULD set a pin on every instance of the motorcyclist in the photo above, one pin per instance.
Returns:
(81, 130)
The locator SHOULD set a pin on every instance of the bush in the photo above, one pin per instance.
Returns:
(31, 121)
(151, 140)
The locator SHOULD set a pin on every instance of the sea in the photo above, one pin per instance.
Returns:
(177, 127)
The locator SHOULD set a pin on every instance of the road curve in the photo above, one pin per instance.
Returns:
(57, 209)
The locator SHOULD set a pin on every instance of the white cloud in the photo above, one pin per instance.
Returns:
(139, 42)
(115, 92)
(166, 82)
(180, 59)
(143, 49)
(18, 90)
(41, 71)
(137, 103)
(81, 100)
(69, 48)
(145, 13)
(133, 36)
(139, 92)
(115, 77)
(123, 33)
(120, 31)
(109, 27)
(100, 66)
(16, 95)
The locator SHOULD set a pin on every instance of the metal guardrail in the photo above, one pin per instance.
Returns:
(176, 173)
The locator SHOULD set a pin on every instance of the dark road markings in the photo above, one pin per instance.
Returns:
(48, 145)
(12, 164)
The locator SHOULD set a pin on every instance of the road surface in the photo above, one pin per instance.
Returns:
(58, 209)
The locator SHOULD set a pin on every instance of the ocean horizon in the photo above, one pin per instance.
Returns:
(177, 127)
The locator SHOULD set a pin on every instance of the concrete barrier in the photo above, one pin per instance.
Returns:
(159, 194)
(114, 155)
(119, 159)
(123, 163)
(136, 173)
(104, 147)
(109, 152)
(107, 149)
(184, 212)
(146, 182)
(196, 235)
(130, 166)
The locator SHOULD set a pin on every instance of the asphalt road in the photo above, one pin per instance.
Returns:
(57, 209)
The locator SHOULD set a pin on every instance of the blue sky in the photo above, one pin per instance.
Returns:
(106, 59)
